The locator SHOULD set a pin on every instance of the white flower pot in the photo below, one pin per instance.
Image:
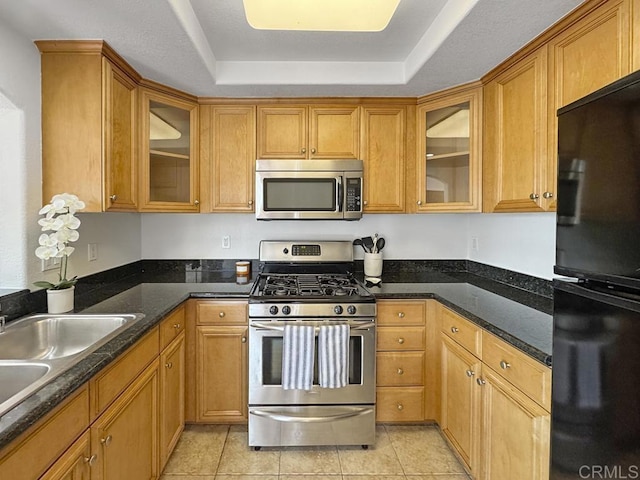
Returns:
(60, 301)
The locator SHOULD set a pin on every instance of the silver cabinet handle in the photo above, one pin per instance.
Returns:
(419, 202)
(470, 373)
(400, 340)
(534, 196)
(481, 381)
(221, 314)
(547, 195)
(400, 314)
(196, 202)
(400, 371)
(113, 197)
(244, 339)
(504, 365)
(400, 406)
(106, 441)
(91, 460)
(454, 330)
(168, 365)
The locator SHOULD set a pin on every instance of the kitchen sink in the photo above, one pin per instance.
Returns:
(36, 349)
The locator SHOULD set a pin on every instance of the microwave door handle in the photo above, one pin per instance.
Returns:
(340, 194)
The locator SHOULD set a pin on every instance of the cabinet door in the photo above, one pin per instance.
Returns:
(169, 172)
(334, 132)
(172, 389)
(221, 366)
(448, 170)
(590, 54)
(121, 162)
(228, 157)
(74, 464)
(460, 415)
(282, 132)
(515, 433)
(383, 153)
(125, 436)
(515, 140)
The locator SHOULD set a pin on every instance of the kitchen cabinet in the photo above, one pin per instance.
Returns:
(495, 403)
(308, 131)
(221, 354)
(125, 436)
(75, 463)
(89, 125)
(383, 153)
(227, 158)
(449, 150)
(169, 179)
(172, 382)
(400, 357)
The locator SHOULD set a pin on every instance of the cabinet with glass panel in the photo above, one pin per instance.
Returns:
(169, 179)
(448, 165)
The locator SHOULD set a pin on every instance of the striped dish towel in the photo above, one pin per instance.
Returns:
(333, 356)
(297, 357)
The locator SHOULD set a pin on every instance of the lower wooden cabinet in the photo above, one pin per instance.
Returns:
(172, 396)
(76, 462)
(124, 437)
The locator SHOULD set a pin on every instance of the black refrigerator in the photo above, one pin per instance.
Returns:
(595, 413)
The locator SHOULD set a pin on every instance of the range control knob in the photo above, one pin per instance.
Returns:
(337, 309)
(286, 309)
(351, 310)
(273, 310)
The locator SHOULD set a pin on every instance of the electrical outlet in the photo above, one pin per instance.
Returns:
(475, 244)
(92, 252)
(52, 263)
(226, 241)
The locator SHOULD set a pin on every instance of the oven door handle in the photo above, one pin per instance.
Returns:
(302, 418)
(279, 326)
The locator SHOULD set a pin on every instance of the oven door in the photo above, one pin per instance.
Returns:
(265, 368)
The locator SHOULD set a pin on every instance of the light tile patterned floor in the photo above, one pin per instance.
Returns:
(220, 452)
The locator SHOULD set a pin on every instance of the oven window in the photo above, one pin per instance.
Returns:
(272, 361)
(300, 194)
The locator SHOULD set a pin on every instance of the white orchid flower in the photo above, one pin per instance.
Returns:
(46, 252)
(46, 223)
(68, 200)
(65, 235)
(66, 220)
(64, 251)
(50, 240)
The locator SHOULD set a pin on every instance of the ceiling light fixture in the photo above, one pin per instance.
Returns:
(320, 15)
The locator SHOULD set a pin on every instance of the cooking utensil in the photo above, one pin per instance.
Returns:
(358, 241)
(368, 244)
(375, 240)
(379, 244)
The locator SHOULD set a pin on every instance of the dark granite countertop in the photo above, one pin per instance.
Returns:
(521, 318)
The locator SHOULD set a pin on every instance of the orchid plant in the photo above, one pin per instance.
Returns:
(59, 218)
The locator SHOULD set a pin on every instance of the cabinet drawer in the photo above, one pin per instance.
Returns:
(462, 331)
(392, 312)
(112, 381)
(528, 375)
(172, 326)
(400, 338)
(400, 404)
(222, 313)
(405, 368)
(37, 449)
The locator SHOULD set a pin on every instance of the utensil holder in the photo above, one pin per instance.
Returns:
(372, 264)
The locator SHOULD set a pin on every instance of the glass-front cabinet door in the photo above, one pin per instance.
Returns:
(169, 153)
(448, 170)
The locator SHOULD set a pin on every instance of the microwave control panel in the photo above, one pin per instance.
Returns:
(354, 189)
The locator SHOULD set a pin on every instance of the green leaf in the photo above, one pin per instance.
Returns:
(44, 284)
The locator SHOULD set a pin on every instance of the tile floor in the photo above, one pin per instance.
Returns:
(208, 452)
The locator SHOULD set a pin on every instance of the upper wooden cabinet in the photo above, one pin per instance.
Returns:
(314, 132)
(449, 154)
(169, 153)
(515, 141)
(383, 152)
(89, 136)
(227, 158)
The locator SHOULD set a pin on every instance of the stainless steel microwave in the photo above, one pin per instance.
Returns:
(309, 189)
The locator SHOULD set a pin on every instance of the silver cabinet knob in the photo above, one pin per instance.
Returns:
(176, 326)
(470, 373)
(400, 314)
(400, 340)
(419, 202)
(504, 365)
(91, 461)
(244, 339)
(169, 364)
(304, 150)
(313, 150)
(221, 314)
(113, 197)
(400, 406)
(534, 196)
(454, 330)
(481, 381)
(547, 195)
(196, 202)
(106, 441)
(400, 371)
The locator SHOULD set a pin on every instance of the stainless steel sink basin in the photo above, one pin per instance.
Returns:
(36, 349)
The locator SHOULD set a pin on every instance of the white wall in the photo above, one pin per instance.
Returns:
(519, 242)
(118, 235)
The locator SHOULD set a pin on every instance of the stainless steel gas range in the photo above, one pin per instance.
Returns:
(310, 284)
